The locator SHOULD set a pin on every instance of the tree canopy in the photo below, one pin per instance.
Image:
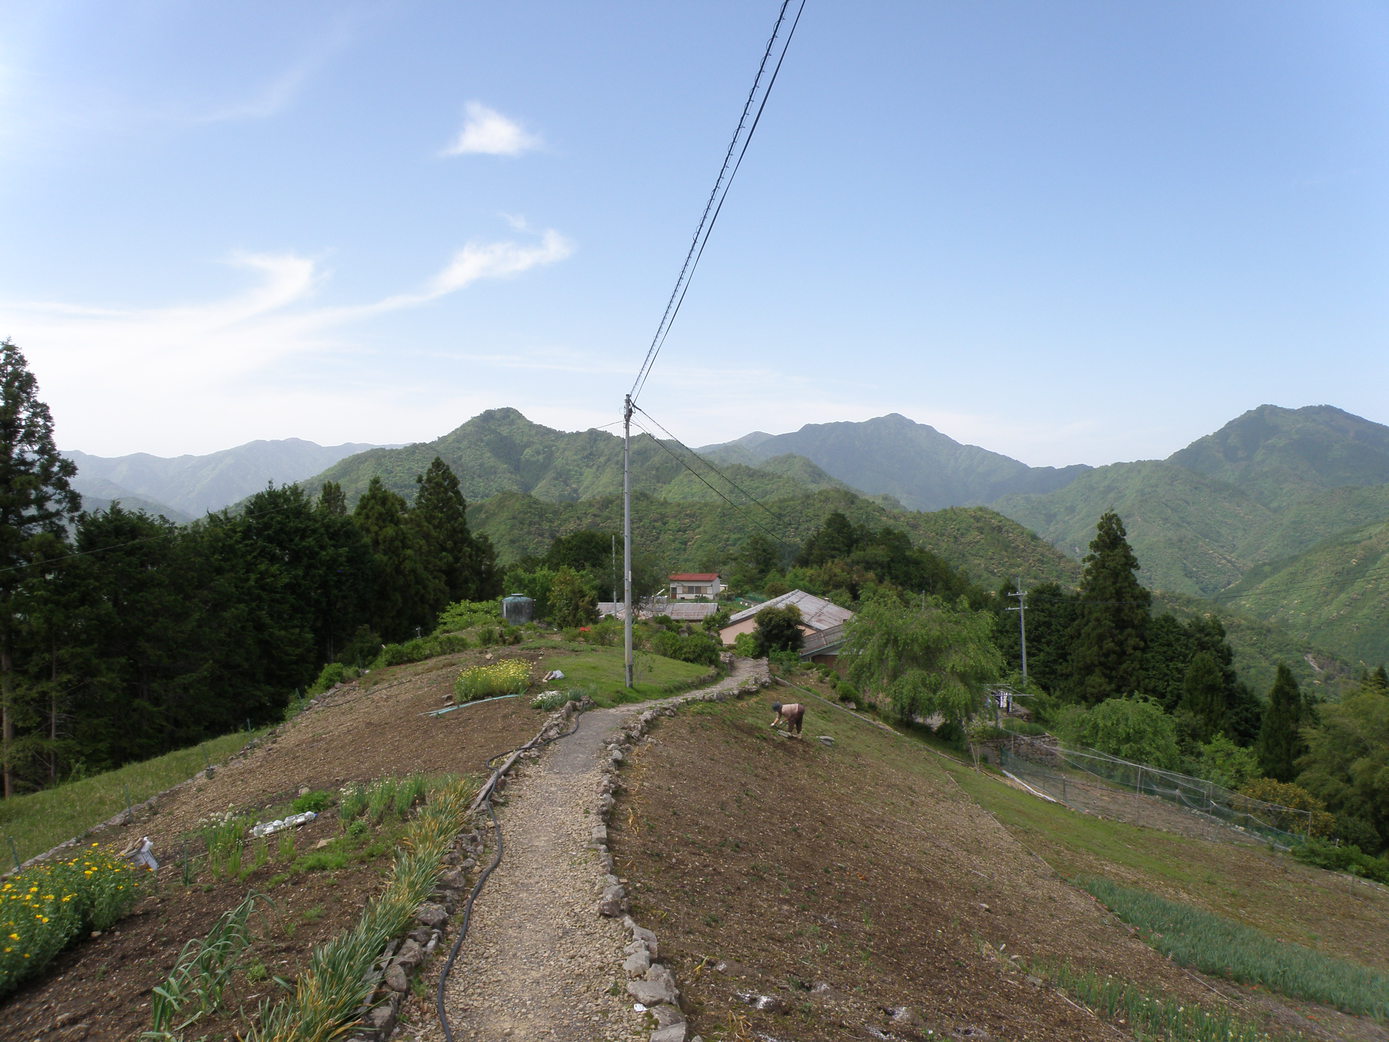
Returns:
(924, 658)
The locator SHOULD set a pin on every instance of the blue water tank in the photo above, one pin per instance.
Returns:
(518, 610)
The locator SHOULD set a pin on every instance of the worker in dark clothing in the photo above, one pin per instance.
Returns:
(792, 713)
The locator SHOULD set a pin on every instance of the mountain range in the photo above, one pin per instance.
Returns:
(184, 487)
(1282, 514)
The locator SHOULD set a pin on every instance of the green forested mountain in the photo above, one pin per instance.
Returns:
(706, 535)
(1274, 514)
(892, 455)
(500, 451)
(1276, 454)
(1188, 531)
(1336, 593)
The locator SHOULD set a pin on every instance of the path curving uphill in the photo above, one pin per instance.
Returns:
(540, 962)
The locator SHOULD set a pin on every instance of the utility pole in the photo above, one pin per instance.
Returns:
(627, 537)
(1021, 609)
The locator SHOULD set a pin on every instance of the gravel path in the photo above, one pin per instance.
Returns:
(539, 961)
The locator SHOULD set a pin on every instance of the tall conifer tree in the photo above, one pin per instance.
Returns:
(36, 503)
(1280, 740)
(1107, 649)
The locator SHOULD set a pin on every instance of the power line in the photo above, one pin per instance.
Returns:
(714, 467)
(753, 521)
(714, 206)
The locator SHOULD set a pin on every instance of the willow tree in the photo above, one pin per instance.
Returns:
(924, 658)
(36, 505)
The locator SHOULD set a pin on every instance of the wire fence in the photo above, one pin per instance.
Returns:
(1097, 783)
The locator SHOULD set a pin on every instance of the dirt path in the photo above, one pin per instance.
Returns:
(539, 961)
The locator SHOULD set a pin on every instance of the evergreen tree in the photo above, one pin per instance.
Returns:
(835, 539)
(332, 500)
(144, 640)
(1280, 740)
(1051, 617)
(406, 595)
(440, 515)
(1107, 646)
(36, 504)
(1203, 695)
(1167, 652)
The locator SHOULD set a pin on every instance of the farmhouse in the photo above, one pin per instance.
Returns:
(822, 624)
(690, 586)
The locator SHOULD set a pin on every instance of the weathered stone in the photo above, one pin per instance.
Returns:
(381, 1019)
(673, 1033)
(651, 993)
(613, 902)
(396, 978)
(666, 1015)
(637, 963)
(410, 954)
(432, 915)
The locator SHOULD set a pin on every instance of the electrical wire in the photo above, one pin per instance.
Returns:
(712, 466)
(714, 206)
(699, 477)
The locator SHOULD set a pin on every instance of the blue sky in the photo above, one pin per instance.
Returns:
(1070, 232)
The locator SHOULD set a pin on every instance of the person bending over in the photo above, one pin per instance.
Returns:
(792, 713)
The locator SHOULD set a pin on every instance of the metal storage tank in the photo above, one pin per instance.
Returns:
(518, 610)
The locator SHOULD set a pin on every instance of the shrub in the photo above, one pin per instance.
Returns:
(785, 661)
(464, 615)
(333, 674)
(1316, 821)
(745, 646)
(311, 801)
(699, 648)
(849, 693)
(1342, 858)
(422, 648)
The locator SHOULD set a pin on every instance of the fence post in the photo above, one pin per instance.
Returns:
(1138, 797)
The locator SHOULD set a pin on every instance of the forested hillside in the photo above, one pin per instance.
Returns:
(891, 455)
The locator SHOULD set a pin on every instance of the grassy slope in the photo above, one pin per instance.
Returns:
(40, 821)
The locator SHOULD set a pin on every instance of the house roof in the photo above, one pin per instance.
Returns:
(816, 612)
(694, 577)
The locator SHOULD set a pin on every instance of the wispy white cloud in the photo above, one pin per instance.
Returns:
(487, 132)
(184, 364)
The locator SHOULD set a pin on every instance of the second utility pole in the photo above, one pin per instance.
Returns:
(627, 537)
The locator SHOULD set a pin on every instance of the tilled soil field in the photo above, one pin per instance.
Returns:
(814, 891)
